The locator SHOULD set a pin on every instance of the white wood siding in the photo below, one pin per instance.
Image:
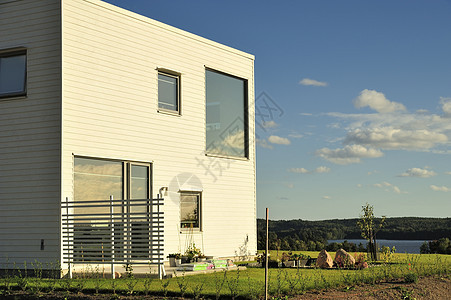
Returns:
(30, 131)
(110, 57)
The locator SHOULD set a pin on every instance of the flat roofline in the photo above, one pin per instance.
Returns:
(167, 27)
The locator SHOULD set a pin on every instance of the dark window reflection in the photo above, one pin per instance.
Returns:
(12, 74)
(189, 210)
(96, 179)
(168, 92)
(226, 115)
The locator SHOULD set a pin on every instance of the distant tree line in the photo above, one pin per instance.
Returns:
(440, 246)
(313, 235)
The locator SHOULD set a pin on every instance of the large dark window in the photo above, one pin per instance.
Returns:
(13, 73)
(226, 111)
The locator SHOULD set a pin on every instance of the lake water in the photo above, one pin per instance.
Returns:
(402, 246)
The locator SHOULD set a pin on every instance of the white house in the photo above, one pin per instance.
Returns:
(97, 101)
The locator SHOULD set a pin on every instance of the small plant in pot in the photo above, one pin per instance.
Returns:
(174, 259)
(201, 257)
(301, 259)
(192, 252)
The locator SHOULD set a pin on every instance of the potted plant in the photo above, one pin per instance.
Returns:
(174, 259)
(287, 260)
(192, 252)
(301, 259)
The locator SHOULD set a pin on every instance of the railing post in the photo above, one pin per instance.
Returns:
(160, 273)
(69, 268)
(113, 275)
(266, 254)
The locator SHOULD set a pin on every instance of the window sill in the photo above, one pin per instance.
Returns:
(227, 157)
(169, 112)
(13, 97)
(190, 231)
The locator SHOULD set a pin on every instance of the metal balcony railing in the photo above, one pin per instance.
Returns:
(113, 232)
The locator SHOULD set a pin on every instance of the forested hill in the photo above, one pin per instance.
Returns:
(407, 228)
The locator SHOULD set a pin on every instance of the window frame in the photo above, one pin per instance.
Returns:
(246, 116)
(199, 211)
(178, 77)
(126, 173)
(123, 207)
(11, 53)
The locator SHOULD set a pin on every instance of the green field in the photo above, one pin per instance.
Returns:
(247, 283)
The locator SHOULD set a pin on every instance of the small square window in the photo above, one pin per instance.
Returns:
(190, 207)
(169, 92)
(13, 73)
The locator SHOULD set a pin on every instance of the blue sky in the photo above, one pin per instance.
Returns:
(361, 92)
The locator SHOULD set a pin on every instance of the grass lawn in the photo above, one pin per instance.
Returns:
(247, 283)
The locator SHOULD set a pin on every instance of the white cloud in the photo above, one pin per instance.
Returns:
(334, 126)
(417, 172)
(321, 169)
(298, 170)
(234, 140)
(327, 197)
(274, 139)
(306, 114)
(448, 173)
(296, 135)
(440, 188)
(348, 155)
(263, 143)
(396, 190)
(420, 131)
(446, 106)
(270, 124)
(422, 111)
(312, 82)
(289, 185)
(395, 138)
(397, 131)
(377, 101)
(388, 187)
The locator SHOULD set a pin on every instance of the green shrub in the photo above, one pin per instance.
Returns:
(411, 278)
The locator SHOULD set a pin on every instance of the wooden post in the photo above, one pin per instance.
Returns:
(113, 275)
(70, 247)
(266, 254)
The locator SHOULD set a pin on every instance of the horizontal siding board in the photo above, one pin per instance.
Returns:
(30, 135)
(30, 147)
(110, 111)
(37, 201)
(129, 23)
(26, 196)
(21, 236)
(29, 181)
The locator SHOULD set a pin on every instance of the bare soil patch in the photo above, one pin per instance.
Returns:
(426, 288)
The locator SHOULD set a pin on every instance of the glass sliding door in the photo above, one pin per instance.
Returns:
(97, 180)
(139, 189)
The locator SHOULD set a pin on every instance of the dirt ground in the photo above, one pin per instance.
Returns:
(430, 288)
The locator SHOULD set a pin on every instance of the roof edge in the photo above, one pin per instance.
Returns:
(167, 27)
